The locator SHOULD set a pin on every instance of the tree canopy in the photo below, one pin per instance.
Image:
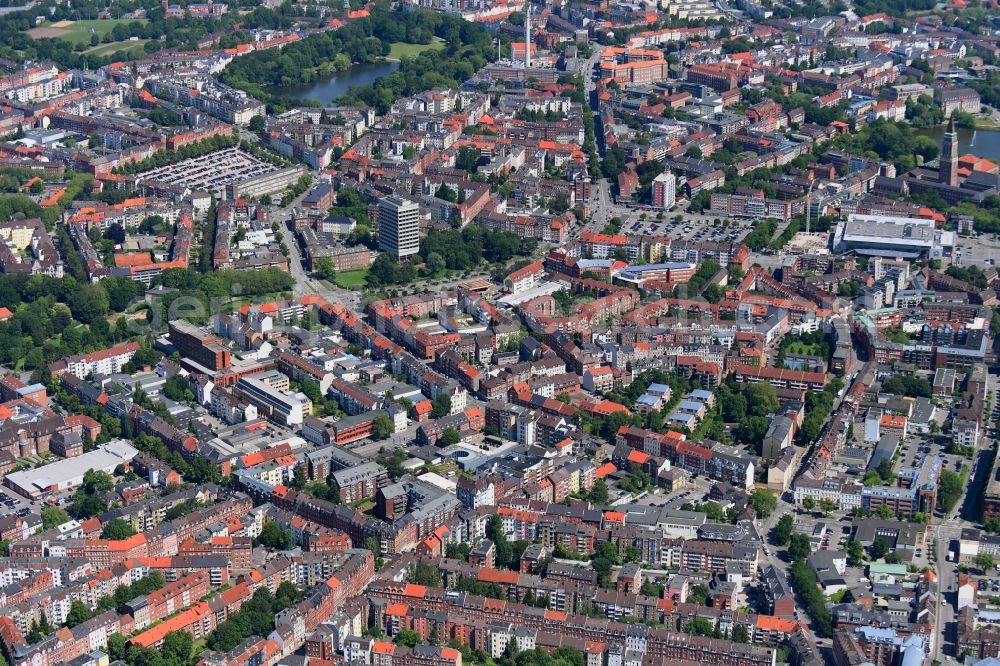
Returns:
(763, 502)
(321, 55)
(117, 530)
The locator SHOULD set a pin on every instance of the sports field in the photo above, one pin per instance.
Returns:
(77, 32)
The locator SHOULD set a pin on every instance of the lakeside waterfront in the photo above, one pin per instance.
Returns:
(360, 74)
(981, 142)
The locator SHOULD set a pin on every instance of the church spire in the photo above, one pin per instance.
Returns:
(948, 171)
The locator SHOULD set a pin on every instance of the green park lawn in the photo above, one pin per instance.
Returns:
(400, 50)
(802, 348)
(349, 279)
(122, 48)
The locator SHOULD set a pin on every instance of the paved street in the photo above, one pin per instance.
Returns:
(602, 209)
(947, 575)
(949, 530)
(304, 284)
(764, 527)
(368, 448)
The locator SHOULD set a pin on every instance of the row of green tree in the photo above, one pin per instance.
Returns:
(761, 235)
(696, 284)
(806, 585)
(973, 274)
(166, 156)
(819, 405)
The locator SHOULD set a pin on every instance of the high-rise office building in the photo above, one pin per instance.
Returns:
(398, 226)
(664, 190)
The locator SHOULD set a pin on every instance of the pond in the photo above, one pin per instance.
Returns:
(327, 92)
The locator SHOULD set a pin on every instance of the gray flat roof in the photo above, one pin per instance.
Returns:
(105, 457)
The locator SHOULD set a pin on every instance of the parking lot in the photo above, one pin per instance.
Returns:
(916, 447)
(989, 584)
(15, 505)
(9, 502)
(695, 492)
(682, 226)
(982, 250)
(211, 172)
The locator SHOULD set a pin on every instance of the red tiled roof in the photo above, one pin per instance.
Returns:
(155, 634)
(488, 575)
(396, 610)
(413, 590)
(638, 457)
(604, 470)
(133, 259)
(771, 623)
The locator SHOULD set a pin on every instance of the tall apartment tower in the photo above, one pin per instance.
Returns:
(948, 171)
(398, 226)
(664, 190)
